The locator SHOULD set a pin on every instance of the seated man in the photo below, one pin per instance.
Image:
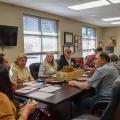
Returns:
(89, 61)
(66, 59)
(102, 81)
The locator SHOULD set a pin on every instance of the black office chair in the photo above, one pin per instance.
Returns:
(34, 69)
(114, 58)
(117, 65)
(111, 112)
(57, 60)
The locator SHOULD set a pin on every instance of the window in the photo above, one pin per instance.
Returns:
(40, 36)
(88, 41)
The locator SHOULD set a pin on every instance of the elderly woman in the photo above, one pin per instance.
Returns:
(18, 72)
(49, 66)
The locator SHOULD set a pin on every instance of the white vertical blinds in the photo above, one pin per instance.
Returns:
(31, 25)
(88, 41)
(40, 37)
(40, 30)
(48, 27)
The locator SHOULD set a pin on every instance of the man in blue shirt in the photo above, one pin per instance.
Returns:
(102, 80)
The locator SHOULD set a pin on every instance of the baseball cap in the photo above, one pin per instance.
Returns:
(68, 50)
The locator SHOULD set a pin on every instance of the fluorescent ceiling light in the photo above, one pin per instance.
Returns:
(115, 1)
(92, 15)
(115, 23)
(89, 5)
(111, 19)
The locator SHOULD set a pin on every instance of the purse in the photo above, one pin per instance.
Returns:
(41, 114)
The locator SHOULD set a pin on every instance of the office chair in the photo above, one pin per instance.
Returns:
(34, 69)
(112, 110)
(114, 58)
(117, 65)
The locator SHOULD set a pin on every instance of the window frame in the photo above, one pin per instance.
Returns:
(41, 53)
(87, 38)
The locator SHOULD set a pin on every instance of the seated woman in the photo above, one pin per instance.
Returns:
(49, 66)
(7, 107)
(18, 72)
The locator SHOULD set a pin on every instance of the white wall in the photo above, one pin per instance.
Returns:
(13, 16)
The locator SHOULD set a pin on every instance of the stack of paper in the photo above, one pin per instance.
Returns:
(26, 89)
(49, 89)
(40, 95)
(33, 83)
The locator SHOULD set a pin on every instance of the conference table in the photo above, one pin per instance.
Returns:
(59, 103)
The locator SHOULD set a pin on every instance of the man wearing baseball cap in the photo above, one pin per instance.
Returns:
(66, 59)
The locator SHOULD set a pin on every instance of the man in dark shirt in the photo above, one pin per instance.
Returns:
(66, 59)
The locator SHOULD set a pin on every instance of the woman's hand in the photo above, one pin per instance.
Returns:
(13, 86)
(29, 108)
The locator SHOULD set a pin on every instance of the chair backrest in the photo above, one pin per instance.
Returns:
(117, 65)
(113, 58)
(113, 106)
(34, 69)
(57, 60)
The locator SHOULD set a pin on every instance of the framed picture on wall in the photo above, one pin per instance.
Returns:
(77, 43)
(68, 38)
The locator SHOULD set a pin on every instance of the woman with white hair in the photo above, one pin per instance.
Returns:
(18, 71)
(49, 66)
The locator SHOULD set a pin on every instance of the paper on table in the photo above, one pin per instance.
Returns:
(33, 83)
(40, 95)
(54, 75)
(26, 89)
(49, 89)
(44, 76)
